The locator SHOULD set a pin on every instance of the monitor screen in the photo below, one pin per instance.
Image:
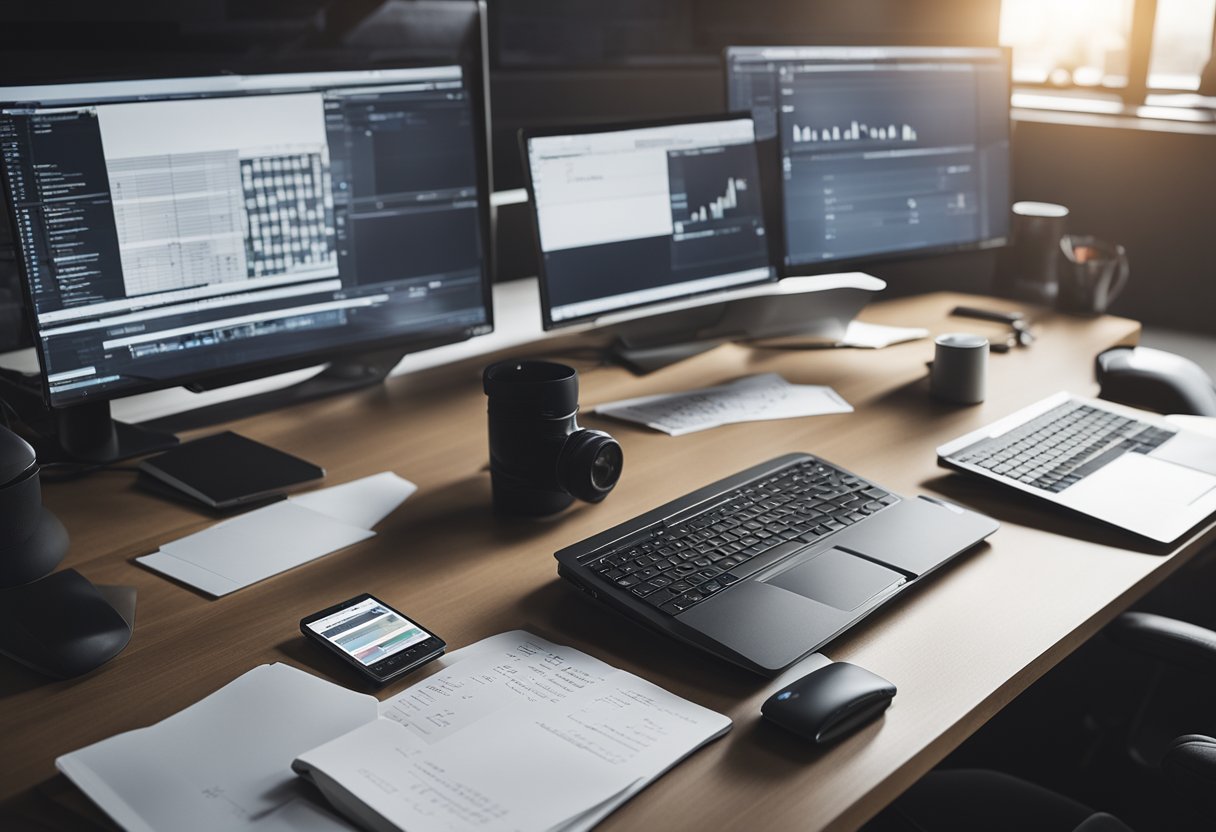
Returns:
(173, 229)
(883, 150)
(630, 216)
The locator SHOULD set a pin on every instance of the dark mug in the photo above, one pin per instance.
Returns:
(1095, 273)
(1028, 268)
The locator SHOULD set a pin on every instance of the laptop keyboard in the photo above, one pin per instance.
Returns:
(677, 565)
(1057, 449)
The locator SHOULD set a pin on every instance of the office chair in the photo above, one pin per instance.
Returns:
(1188, 763)
(1155, 380)
(962, 799)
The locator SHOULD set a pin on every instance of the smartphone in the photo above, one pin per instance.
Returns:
(378, 641)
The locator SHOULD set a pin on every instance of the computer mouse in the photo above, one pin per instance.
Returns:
(829, 703)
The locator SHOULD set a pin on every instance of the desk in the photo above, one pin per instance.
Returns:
(960, 647)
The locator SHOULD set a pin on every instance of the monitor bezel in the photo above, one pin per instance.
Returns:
(264, 368)
(526, 135)
(787, 269)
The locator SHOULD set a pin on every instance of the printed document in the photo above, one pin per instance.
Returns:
(749, 399)
(516, 733)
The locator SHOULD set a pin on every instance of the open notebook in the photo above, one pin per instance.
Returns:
(514, 733)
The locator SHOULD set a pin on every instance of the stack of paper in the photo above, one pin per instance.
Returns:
(749, 399)
(224, 763)
(249, 548)
(515, 733)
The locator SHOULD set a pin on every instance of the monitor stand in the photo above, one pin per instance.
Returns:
(342, 375)
(643, 360)
(86, 433)
(814, 307)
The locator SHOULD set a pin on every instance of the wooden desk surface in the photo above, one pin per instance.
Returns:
(959, 648)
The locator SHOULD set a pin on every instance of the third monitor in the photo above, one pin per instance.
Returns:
(879, 151)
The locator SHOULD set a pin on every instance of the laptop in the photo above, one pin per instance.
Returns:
(766, 566)
(1123, 466)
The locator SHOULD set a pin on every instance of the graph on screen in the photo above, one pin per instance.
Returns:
(715, 212)
(854, 131)
(727, 200)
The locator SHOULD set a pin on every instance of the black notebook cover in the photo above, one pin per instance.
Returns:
(227, 470)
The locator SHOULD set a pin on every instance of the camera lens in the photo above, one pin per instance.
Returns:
(590, 464)
(606, 467)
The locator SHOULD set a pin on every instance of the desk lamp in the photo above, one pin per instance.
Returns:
(32, 540)
(59, 625)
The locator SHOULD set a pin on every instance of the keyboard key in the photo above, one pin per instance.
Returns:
(660, 597)
(673, 568)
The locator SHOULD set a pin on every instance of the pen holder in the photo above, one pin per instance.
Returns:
(1095, 273)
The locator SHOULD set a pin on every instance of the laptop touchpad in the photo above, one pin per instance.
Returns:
(838, 579)
(1198, 452)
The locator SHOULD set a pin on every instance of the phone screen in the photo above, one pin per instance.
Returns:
(369, 631)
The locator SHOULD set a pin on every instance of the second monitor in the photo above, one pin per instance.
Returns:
(629, 216)
(881, 151)
(657, 233)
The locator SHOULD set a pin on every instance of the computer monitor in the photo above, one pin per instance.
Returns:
(208, 230)
(880, 151)
(628, 216)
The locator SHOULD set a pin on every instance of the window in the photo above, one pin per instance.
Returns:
(1064, 43)
(1125, 47)
(1182, 43)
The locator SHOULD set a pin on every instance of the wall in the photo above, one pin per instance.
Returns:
(1153, 190)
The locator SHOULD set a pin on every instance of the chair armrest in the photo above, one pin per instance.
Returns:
(1189, 765)
(1177, 642)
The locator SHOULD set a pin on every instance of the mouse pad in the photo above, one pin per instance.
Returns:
(837, 578)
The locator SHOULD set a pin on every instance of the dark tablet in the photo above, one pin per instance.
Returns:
(227, 470)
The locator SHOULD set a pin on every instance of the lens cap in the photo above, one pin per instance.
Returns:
(590, 465)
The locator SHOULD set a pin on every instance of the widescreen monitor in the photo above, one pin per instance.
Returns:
(183, 229)
(880, 151)
(629, 216)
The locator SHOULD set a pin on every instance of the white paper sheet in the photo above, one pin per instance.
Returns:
(224, 763)
(22, 361)
(515, 733)
(254, 546)
(749, 399)
(877, 336)
(363, 503)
